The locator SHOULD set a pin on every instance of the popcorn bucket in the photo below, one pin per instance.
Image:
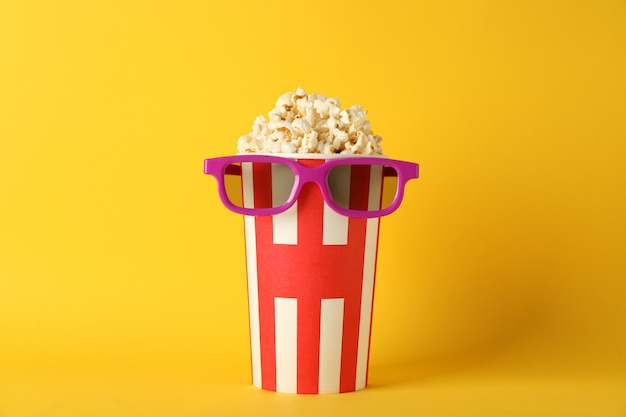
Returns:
(311, 232)
(310, 280)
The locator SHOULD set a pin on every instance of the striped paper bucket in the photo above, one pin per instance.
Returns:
(310, 284)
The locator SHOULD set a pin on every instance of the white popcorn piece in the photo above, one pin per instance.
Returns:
(311, 123)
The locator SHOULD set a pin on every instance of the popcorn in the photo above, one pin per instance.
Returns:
(313, 123)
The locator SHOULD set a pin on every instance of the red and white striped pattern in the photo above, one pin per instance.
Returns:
(310, 285)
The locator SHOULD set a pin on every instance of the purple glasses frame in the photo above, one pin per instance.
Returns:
(318, 175)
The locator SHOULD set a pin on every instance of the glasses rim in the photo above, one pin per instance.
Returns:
(304, 174)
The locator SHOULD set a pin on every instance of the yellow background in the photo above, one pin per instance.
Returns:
(501, 280)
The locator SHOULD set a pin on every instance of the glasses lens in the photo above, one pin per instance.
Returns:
(233, 184)
(363, 187)
(258, 184)
(282, 180)
(389, 187)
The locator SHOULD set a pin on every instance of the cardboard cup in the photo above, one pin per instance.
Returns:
(311, 283)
